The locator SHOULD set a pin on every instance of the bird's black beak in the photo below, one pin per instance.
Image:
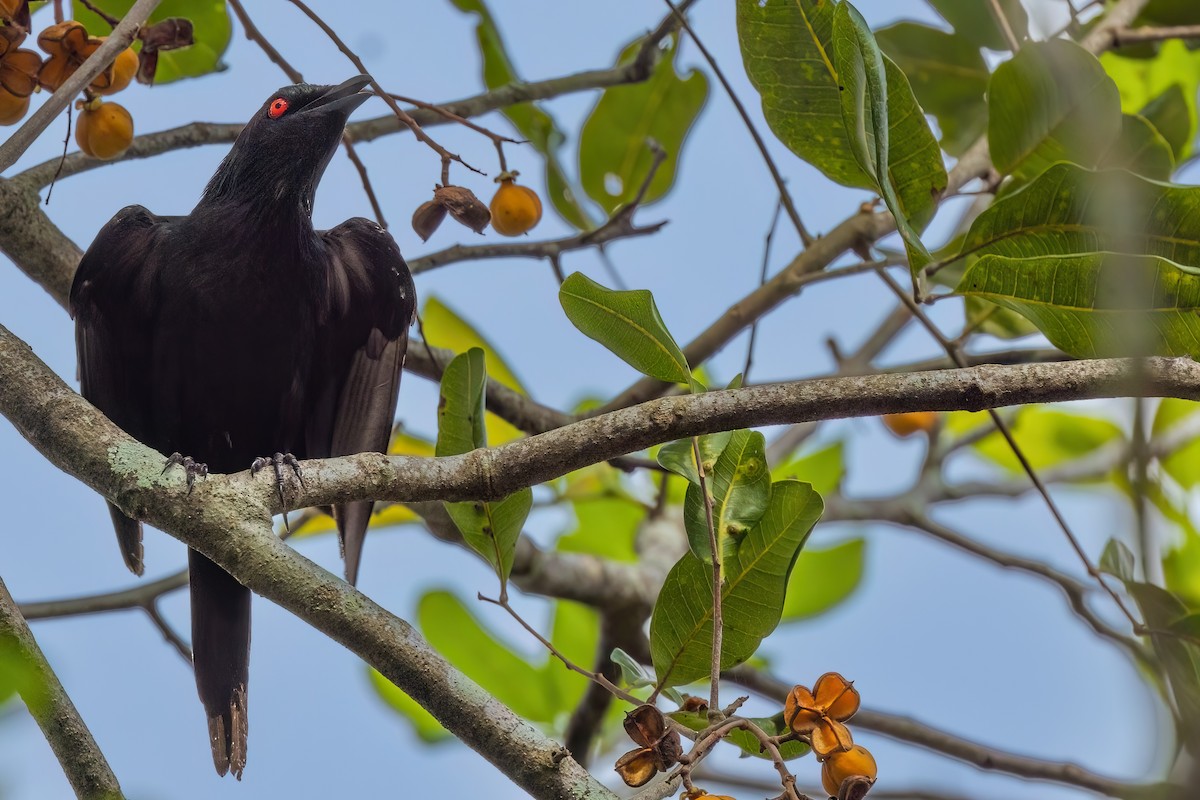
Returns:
(345, 97)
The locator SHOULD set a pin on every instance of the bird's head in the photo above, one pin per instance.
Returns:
(280, 155)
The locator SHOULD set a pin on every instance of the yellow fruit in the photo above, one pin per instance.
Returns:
(515, 209)
(123, 69)
(844, 764)
(910, 422)
(12, 108)
(105, 130)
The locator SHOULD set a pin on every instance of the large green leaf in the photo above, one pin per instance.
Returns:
(490, 528)
(1097, 304)
(823, 579)
(1183, 463)
(211, 31)
(614, 154)
(538, 127)
(627, 323)
(976, 20)
(864, 90)
(1146, 88)
(787, 52)
(1180, 657)
(424, 725)
(1170, 12)
(948, 76)
(1052, 102)
(681, 626)
(1141, 149)
(740, 486)
(1047, 437)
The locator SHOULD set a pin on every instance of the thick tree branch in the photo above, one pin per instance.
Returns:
(48, 703)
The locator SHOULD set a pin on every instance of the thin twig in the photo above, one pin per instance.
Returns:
(109, 18)
(714, 701)
(164, 627)
(1128, 36)
(784, 196)
(762, 278)
(1014, 43)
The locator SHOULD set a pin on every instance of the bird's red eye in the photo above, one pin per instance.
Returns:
(277, 107)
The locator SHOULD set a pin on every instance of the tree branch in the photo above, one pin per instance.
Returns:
(48, 703)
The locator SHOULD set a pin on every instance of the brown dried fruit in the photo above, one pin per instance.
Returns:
(647, 726)
(819, 714)
(637, 767)
(427, 218)
(68, 45)
(12, 108)
(16, 13)
(694, 704)
(18, 68)
(464, 206)
(169, 34)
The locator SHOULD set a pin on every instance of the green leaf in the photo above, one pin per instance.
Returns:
(680, 458)
(1097, 305)
(1182, 463)
(975, 20)
(948, 76)
(424, 725)
(533, 123)
(1052, 102)
(627, 323)
(1181, 658)
(1141, 149)
(1117, 560)
(606, 526)
(752, 597)
(211, 31)
(574, 632)
(1171, 117)
(865, 88)
(823, 579)
(740, 486)
(614, 154)
(455, 633)
(1048, 437)
(444, 327)
(1146, 87)
(748, 742)
(461, 403)
(824, 468)
(493, 528)
(1170, 12)
(787, 52)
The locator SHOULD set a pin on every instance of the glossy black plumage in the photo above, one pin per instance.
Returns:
(239, 331)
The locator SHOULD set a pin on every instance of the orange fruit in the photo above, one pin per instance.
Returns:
(12, 108)
(119, 75)
(515, 209)
(105, 130)
(910, 422)
(843, 764)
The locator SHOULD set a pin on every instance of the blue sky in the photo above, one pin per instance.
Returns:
(1014, 668)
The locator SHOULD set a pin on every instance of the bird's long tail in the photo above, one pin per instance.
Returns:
(221, 656)
(129, 537)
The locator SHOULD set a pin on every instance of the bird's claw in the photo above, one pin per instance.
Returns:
(191, 466)
(278, 462)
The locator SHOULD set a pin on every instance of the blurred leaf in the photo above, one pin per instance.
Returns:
(19, 676)
(606, 527)
(975, 20)
(427, 729)
(786, 50)
(823, 579)
(756, 578)
(1097, 304)
(1117, 560)
(1170, 12)
(1051, 102)
(1048, 437)
(575, 632)
(948, 76)
(823, 468)
(1146, 87)
(864, 93)
(749, 744)
(1181, 658)
(632, 672)
(1141, 149)
(740, 486)
(1188, 626)
(534, 124)
(1181, 564)
(614, 156)
(627, 323)
(211, 29)
(384, 515)
(445, 328)
(455, 633)
(1183, 463)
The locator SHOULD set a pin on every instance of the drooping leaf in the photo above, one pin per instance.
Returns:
(864, 91)
(1048, 437)
(444, 327)
(740, 487)
(1097, 304)
(976, 20)
(787, 51)
(627, 323)
(1052, 102)
(1141, 149)
(824, 579)
(492, 528)
(948, 76)
(211, 31)
(1117, 560)
(1180, 657)
(614, 155)
(823, 468)
(681, 625)
(1170, 115)
(424, 725)
(748, 742)
(534, 124)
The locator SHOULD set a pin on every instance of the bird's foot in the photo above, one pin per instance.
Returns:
(192, 467)
(278, 462)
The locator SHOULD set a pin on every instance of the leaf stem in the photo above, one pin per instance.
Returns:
(715, 675)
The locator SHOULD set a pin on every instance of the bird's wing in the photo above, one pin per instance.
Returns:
(368, 304)
(112, 300)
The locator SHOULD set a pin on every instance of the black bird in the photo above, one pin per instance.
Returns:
(239, 331)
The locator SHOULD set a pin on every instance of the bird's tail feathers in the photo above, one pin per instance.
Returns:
(129, 537)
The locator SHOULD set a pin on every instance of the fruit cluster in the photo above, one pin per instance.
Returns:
(514, 209)
(105, 129)
(819, 717)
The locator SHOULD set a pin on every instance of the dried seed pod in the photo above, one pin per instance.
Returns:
(693, 704)
(427, 218)
(464, 206)
(18, 68)
(12, 108)
(645, 725)
(636, 767)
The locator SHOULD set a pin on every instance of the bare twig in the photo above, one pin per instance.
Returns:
(1127, 36)
(1014, 43)
(169, 634)
(762, 278)
(714, 701)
